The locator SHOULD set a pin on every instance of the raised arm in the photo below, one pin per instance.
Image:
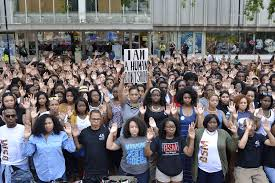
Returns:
(27, 146)
(271, 139)
(75, 133)
(121, 95)
(150, 135)
(243, 141)
(188, 150)
(110, 144)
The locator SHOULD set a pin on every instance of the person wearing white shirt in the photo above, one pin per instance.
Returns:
(12, 160)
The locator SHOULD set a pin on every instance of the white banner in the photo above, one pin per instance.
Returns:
(135, 65)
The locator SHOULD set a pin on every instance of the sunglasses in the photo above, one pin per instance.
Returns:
(9, 116)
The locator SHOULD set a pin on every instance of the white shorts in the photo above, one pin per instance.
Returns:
(165, 178)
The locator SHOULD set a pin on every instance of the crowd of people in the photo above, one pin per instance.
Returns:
(195, 120)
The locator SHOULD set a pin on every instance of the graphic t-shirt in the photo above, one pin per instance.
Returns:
(208, 156)
(133, 160)
(96, 154)
(251, 155)
(169, 152)
(11, 140)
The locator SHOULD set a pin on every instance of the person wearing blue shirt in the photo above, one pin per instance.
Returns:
(46, 144)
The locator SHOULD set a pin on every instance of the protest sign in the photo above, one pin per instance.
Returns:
(135, 65)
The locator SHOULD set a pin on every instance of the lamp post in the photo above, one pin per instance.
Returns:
(239, 21)
(7, 34)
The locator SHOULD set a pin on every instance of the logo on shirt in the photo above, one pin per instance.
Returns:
(204, 151)
(101, 137)
(5, 150)
(257, 143)
(135, 154)
(170, 148)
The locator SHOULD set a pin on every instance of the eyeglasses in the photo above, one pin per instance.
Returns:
(10, 116)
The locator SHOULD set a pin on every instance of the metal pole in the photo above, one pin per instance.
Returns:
(137, 7)
(239, 21)
(54, 11)
(40, 13)
(7, 34)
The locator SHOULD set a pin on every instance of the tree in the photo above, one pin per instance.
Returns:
(255, 6)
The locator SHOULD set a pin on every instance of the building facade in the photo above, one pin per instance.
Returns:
(207, 26)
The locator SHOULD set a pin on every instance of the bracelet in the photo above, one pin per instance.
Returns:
(148, 141)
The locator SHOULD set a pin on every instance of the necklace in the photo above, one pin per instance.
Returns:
(211, 133)
(153, 109)
(211, 111)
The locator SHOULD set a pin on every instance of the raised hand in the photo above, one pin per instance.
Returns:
(167, 110)
(142, 109)
(150, 134)
(231, 107)
(106, 98)
(27, 131)
(199, 109)
(22, 91)
(33, 100)
(266, 125)
(68, 129)
(7, 81)
(191, 131)
(174, 109)
(113, 129)
(152, 122)
(26, 103)
(61, 116)
(232, 127)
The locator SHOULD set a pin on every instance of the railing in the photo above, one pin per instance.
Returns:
(91, 18)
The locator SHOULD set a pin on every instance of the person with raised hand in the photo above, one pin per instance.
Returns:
(210, 151)
(45, 143)
(250, 153)
(132, 143)
(154, 105)
(93, 140)
(169, 146)
(265, 112)
(188, 113)
(14, 164)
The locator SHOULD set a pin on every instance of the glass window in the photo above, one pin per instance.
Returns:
(247, 44)
(198, 42)
(46, 6)
(90, 5)
(143, 6)
(187, 37)
(265, 42)
(222, 43)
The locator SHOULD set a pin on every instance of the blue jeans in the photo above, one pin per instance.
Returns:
(141, 178)
(205, 177)
(270, 173)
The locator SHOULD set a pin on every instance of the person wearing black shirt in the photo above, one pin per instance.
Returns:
(169, 146)
(269, 160)
(249, 162)
(93, 140)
